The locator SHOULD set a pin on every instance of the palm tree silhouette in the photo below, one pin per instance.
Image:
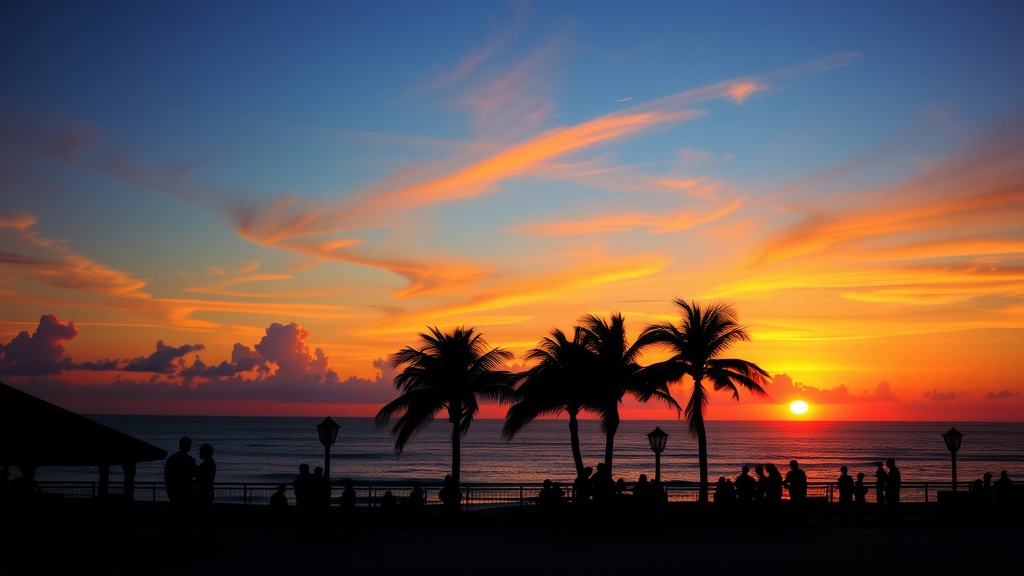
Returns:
(696, 344)
(561, 379)
(616, 373)
(449, 372)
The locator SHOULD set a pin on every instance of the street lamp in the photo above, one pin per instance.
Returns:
(657, 438)
(952, 439)
(328, 433)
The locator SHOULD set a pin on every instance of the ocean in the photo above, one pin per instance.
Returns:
(270, 449)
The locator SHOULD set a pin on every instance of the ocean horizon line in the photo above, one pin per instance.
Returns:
(681, 420)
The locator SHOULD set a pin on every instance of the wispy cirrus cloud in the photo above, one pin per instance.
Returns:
(33, 257)
(654, 223)
(949, 235)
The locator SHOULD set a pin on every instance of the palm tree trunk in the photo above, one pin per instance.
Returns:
(702, 455)
(574, 440)
(609, 441)
(456, 448)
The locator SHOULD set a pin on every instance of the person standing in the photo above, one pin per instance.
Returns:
(348, 509)
(846, 486)
(179, 471)
(320, 494)
(892, 491)
(881, 478)
(796, 483)
(746, 486)
(302, 487)
(205, 474)
(450, 496)
(279, 506)
(860, 491)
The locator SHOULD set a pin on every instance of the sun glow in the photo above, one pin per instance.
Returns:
(798, 407)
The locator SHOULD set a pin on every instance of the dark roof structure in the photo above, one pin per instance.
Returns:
(37, 433)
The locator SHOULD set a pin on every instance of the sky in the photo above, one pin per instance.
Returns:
(248, 207)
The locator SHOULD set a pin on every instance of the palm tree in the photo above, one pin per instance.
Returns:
(449, 372)
(696, 344)
(616, 374)
(560, 380)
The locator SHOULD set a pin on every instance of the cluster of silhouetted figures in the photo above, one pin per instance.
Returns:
(190, 495)
(594, 501)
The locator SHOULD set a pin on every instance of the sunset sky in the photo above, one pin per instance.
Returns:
(246, 207)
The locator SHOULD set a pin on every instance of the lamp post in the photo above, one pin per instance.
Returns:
(328, 433)
(952, 439)
(657, 438)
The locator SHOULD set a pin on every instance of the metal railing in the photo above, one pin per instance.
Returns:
(475, 496)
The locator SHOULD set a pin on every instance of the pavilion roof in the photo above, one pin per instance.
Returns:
(33, 431)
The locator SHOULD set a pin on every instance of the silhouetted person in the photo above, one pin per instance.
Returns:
(348, 509)
(1002, 491)
(279, 506)
(892, 491)
(860, 491)
(881, 479)
(796, 483)
(450, 496)
(179, 472)
(581, 489)
(642, 489)
(760, 489)
(302, 486)
(549, 500)
(724, 497)
(746, 486)
(845, 485)
(773, 486)
(388, 503)
(602, 487)
(205, 474)
(321, 493)
(413, 503)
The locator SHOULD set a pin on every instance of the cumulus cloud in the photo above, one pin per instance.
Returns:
(883, 393)
(283, 368)
(1002, 394)
(937, 396)
(166, 359)
(38, 354)
(784, 388)
(280, 367)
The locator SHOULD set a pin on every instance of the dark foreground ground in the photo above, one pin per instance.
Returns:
(927, 541)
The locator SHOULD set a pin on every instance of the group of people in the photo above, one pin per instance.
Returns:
(887, 491)
(765, 488)
(313, 505)
(764, 491)
(190, 492)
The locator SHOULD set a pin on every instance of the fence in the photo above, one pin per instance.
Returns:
(475, 496)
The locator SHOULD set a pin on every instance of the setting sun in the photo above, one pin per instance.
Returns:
(798, 407)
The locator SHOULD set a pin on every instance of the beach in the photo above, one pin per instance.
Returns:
(925, 541)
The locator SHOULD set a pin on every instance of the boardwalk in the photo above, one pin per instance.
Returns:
(487, 545)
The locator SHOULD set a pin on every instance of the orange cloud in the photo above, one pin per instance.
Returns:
(741, 90)
(657, 223)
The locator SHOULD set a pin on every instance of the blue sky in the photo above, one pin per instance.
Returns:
(195, 172)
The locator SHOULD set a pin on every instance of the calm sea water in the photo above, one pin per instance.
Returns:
(255, 449)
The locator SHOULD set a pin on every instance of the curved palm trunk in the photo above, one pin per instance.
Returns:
(456, 448)
(574, 440)
(609, 441)
(702, 454)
